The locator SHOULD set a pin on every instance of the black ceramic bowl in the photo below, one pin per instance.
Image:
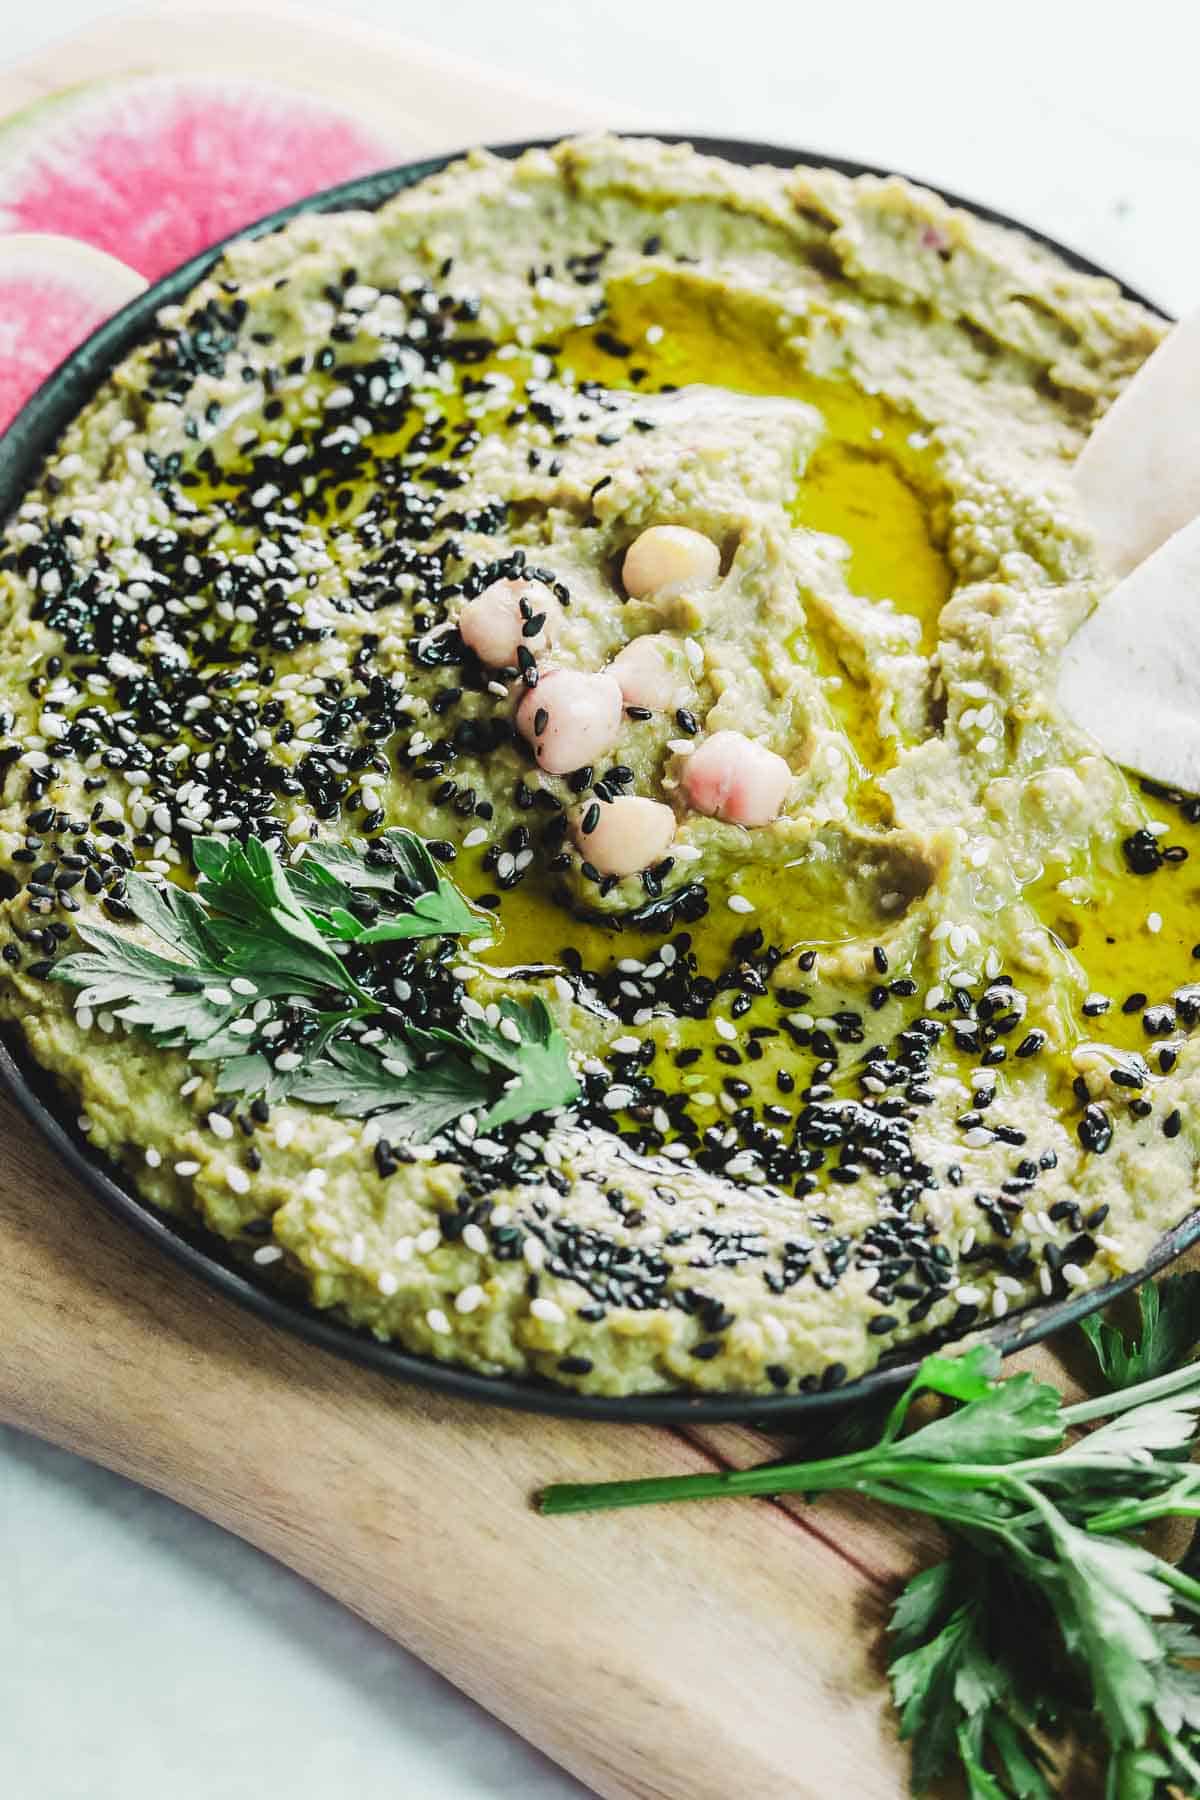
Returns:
(22, 447)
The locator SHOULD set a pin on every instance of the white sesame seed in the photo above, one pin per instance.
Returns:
(187, 1168)
(511, 1030)
(469, 1298)
(288, 1060)
(437, 1321)
(626, 1046)
(977, 1137)
(999, 1303)
(219, 1125)
(153, 1158)
(968, 1296)
(238, 1180)
(549, 1310)
(428, 1240)
(285, 1131)
(386, 1282)
(738, 903)
(475, 1238)
(1073, 1275)
(1045, 1280)
(1153, 923)
(240, 985)
(269, 1253)
(534, 1252)
(725, 1029)
(475, 837)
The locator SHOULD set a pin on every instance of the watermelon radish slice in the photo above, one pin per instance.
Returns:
(153, 168)
(53, 292)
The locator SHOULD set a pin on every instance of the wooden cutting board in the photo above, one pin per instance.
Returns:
(691, 1653)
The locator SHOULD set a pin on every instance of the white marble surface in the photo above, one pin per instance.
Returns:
(143, 1651)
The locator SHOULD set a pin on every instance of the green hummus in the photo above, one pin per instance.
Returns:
(910, 1057)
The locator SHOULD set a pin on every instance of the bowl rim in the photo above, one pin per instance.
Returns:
(28, 438)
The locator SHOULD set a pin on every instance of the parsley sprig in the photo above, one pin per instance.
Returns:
(1050, 1614)
(254, 976)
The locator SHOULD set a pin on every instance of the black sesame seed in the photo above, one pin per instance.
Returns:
(1095, 1129)
(1142, 853)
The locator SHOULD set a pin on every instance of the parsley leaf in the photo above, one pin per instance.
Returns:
(1107, 1593)
(924, 1680)
(406, 889)
(1007, 1422)
(1170, 1322)
(1045, 1601)
(955, 1683)
(414, 1101)
(270, 973)
(534, 1053)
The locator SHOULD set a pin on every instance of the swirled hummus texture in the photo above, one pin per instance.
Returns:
(913, 1056)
